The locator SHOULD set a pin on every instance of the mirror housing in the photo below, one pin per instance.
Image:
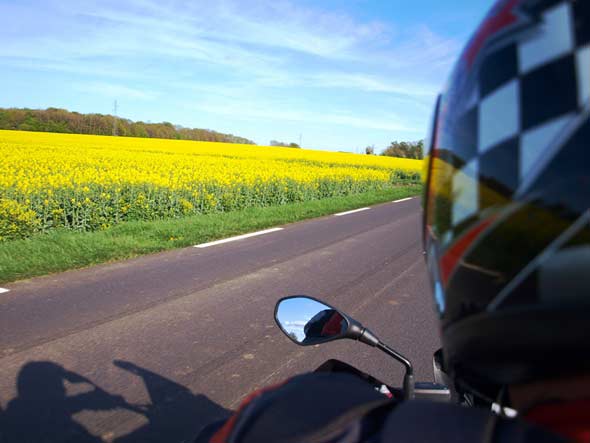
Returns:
(308, 321)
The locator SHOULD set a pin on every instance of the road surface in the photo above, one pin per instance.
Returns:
(152, 349)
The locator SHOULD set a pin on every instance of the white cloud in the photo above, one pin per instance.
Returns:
(300, 323)
(249, 111)
(372, 83)
(115, 91)
(240, 59)
(67, 66)
(253, 37)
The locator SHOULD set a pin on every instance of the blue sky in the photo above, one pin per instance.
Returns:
(294, 314)
(343, 74)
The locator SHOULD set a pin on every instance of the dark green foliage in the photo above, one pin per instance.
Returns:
(405, 149)
(61, 120)
(284, 145)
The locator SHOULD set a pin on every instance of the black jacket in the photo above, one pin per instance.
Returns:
(338, 408)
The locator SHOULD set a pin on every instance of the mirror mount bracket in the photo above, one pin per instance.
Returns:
(356, 331)
(364, 335)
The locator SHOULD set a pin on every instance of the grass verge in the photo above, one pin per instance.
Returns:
(63, 250)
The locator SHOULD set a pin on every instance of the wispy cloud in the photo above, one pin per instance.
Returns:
(296, 323)
(239, 109)
(252, 37)
(271, 57)
(372, 83)
(115, 91)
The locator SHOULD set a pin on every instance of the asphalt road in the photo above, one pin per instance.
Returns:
(152, 349)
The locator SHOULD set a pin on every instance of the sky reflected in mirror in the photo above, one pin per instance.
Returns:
(308, 321)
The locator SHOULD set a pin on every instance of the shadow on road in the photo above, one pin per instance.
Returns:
(43, 412)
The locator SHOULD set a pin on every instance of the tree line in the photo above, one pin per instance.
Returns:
(284, 145)
(64, 121)
(401, 149)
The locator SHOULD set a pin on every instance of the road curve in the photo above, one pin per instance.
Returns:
(153, 348)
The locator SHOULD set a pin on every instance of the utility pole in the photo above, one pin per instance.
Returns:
(115, 119)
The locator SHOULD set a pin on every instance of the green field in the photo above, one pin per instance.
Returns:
(61, 250)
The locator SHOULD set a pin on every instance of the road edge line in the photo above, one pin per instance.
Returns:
(351, 212)
(402, 200)
(4, 290)
(237, 237)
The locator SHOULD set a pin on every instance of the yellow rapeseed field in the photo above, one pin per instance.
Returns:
(85, 182)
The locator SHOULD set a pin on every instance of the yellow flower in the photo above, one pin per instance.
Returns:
(113, 179)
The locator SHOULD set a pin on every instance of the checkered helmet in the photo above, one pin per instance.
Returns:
(507, 196)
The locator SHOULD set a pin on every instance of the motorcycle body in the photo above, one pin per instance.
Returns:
(309, 322)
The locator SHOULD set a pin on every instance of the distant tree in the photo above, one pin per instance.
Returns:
(370, 150)
(61, 120)
(284, 145)
(405, 149)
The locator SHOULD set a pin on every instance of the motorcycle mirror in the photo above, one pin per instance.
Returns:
(308, 321)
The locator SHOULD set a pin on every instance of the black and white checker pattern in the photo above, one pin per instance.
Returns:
(527, 93)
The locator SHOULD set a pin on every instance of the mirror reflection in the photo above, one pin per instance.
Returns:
(309, 322)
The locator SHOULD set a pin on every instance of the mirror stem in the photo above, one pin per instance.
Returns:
(408, 376)
(371, 339)
(403, 360)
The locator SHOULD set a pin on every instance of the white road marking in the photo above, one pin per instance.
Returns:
(350, 212)
(3, 290)
(402, 200)
(237, 237)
